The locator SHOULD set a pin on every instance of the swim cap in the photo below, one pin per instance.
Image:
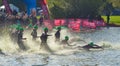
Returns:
(91, 43)
(35, 27)
(45, 29)
(21, 29)
(17, 28)
(30, 25)
(59, 28)
(66, 38)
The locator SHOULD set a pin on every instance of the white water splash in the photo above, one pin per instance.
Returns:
(109, 38)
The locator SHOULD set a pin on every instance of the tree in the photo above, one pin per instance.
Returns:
(116, 3)
(57, 12)
(56, 8)
(0, 2)
(75, 8)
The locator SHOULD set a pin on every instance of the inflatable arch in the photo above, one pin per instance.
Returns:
(30, 4)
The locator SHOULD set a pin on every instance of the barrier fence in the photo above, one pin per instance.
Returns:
(74, 24)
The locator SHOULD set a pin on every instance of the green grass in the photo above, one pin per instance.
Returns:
(113, 19)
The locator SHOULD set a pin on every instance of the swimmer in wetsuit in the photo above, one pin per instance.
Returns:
(91, 45)
(57, 34)
(44, 37)
(34, 32)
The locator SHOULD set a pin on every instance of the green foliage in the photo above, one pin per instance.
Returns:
(74, 8)
(57, 12)
(83, 8)
(57, 8)
(0, 2)
(116, 3)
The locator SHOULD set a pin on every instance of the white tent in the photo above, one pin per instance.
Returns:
(2, 7)
(12, 7)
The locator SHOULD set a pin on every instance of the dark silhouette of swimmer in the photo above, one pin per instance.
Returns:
(57, 34)
(1, 52)
(65, 41)
(34, 32)
(20, 38)
(91, 45)
(44, 37)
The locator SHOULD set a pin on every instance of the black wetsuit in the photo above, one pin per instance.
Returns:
(14, 35)
(65, 42)
(20, 42)
(44, 37)
(89, 46)
(34, 33)
(34, 20)
(20, 36)
(57, 35)
(41, 20)
(1, 52)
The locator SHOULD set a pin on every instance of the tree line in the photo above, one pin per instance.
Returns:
(73, 8)
(79, 8)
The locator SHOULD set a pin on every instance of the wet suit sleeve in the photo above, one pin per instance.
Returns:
(49, 35)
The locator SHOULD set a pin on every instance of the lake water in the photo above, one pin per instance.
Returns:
(109, 38)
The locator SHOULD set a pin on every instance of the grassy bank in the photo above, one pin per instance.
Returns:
(113, 19)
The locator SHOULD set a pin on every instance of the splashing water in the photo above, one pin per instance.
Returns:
(108, 38)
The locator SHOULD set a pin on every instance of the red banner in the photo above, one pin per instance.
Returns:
(7, 7)
(89, 24)
(59, 22)
(43, 4)
(75, 25)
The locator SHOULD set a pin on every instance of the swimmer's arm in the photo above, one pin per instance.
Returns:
(68, 44)
(95, 45)
(24, 38)
(49, 35)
